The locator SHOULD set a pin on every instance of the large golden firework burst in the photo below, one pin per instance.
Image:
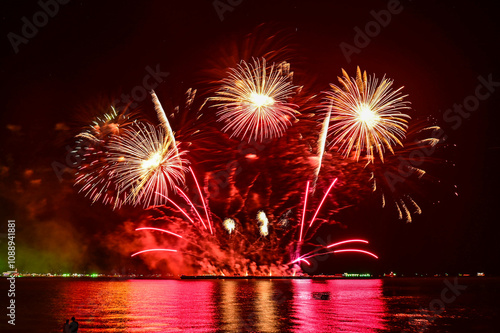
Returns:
(253, 101)
(366, 115)
(145, 164)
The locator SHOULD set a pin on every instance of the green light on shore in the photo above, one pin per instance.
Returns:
(350, 275)
(66, 275)
(94, 275)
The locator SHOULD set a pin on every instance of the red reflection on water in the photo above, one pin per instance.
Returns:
(137, 305)
(338, 305)
(170, 305)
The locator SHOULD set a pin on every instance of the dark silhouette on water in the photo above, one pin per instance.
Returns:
(66, 327)
(73, 327)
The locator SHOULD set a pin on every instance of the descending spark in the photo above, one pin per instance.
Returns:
(322, 200)
(190, 203)
(143, 163)
(304, 212)
(202, 198)
(347, 241)
(366, 115)
(153, 250)
(158, 229)
(356, 250)
(253, 100)
(229, 224)
(405, 210)
(400, 215)
(263, 223)
(418, 210)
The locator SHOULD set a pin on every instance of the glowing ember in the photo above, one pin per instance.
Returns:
(229, 224)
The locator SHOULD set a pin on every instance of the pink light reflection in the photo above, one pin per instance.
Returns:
(338, 306)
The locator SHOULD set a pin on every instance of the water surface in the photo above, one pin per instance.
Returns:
(372, 305)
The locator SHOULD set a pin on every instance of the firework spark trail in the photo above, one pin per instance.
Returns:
(335, 252)
(158, 229)
(152, 250)
(386, 177)
(304, 212)
(322, 144)
(180, 209)
(162, 116)
(358, 251)
(313, 252)
(164, 120)
(185, 197)
(367, 115)
(202, 198)
(322, 201)
(347, 241)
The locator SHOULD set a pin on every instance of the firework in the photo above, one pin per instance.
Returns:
(396, 179)
(229, 225)
(144, 164)
(253, 101)
(145, 161)
(263, 223)
(93, 173)
(366, 115)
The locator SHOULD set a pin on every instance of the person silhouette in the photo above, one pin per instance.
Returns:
(66, 327)
(73, 327)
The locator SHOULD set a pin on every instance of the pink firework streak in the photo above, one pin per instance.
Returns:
(323, 200)
(315, 253)
(158, 229)
(347, 241)
(189, 202)
(153, 250)
(202, 201)
(358, 251)
(304, 212)
(181, 210)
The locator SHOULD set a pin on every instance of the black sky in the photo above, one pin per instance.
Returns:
(92, 51)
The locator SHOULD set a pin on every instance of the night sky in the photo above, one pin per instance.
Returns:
(90, 53)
